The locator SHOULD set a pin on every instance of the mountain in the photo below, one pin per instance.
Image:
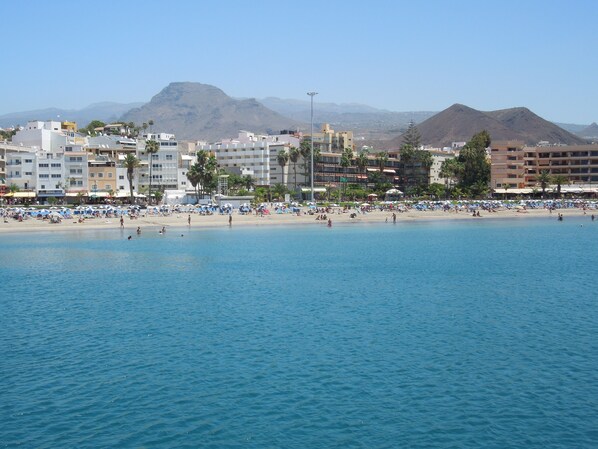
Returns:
(590, 132)
(106, 112)
(366, 122)
(459, 123)
(195, 111)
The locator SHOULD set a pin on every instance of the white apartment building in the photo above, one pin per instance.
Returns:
(253, 154)
(164, 163)
(50, 174)
(21, 169)
(438, 157)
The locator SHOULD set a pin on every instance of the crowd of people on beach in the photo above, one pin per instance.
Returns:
(323, 213)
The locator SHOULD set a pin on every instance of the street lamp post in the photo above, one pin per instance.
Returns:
(311, 94)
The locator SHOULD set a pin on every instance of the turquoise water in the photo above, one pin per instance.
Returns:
(470, 334)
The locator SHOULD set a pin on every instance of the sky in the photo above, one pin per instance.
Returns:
(422, 55)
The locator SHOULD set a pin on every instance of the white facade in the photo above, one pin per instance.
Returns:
(50, 174)
(21, 170)
(253, 154)
(165, 164)
(438, 157)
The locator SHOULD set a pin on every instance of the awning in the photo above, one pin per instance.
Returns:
(9, 194)
(316, 189)
(388, 170)
(23, 194)
(73, 194)
(99, 194)
(514, 191)
(373, 169)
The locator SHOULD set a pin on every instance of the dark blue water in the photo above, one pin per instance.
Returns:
(466, 335)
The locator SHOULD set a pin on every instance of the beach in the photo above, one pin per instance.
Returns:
(337, 217)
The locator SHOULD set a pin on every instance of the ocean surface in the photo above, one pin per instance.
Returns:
(466, 334)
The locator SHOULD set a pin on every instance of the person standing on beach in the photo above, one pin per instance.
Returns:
(230, 220)
(189, 219)
(394, 217)
(122, 222)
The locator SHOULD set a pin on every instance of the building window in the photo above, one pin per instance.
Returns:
(121, 177)
(100, 175)
(56, 176)
(169, 157)
(110, 175)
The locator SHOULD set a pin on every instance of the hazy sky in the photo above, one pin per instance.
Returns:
(396, 55)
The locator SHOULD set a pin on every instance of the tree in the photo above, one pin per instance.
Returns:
(131, 163)
(362, 161)
(278, 191)
(151, 148)
(450, 170)
(150, 123)
(248, 182)
(305, 150)
(381, 160)
(346, 161)
(473, 157)
(206, 170)
(194, 177)
(144, 126)
(559, 180)
(412, 137)
(282, 158)
(90, 129)
(544, 179)
(294, 155)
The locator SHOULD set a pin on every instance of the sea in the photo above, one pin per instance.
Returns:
(430, 334)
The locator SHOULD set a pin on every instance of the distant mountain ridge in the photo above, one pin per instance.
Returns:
(106, 111)
(459, 123)
(195, 111)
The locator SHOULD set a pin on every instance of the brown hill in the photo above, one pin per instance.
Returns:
(195, 111)
(459, 123)
(532, 128)
(591, 132)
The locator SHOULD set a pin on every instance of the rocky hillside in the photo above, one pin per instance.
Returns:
(459, 123)
(195, 111)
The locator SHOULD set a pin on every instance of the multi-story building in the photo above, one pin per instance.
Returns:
(516, 166)
(438, 158)
(254, 155)
(330, 141)
(507, 169)
(21, 169)
(164, 163)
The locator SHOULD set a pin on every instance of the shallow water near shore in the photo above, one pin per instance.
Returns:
(466, 334)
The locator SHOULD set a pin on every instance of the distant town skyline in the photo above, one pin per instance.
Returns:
(394, 55)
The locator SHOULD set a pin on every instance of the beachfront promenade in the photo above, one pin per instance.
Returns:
(21, 219)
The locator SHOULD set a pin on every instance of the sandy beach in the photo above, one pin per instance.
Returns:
(338, 217)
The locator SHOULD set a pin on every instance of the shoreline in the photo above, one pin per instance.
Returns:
(179, 221)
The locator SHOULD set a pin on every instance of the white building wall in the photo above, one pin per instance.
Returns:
(21, 170)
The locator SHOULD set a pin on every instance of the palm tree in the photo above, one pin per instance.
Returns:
(305, 150)
(294, 155)
(247, 182)
(150, 123)
(130, 162)
(151, 148)
(279, 190)
(544, 179)
(282, 158)
(381, 160)
(346, 160)
(559, 180)
(362, 161)
(194, 177)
